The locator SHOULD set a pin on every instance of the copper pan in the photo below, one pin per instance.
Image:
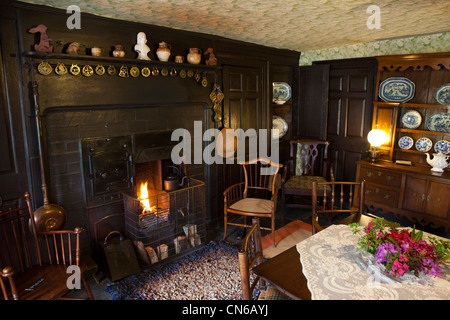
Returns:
(50, 216)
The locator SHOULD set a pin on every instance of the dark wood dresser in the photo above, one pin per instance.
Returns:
(411, 191)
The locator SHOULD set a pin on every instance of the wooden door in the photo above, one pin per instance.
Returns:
(244, 107)
(349, 117)
(13, 172)
(243, 104)
(309, 109)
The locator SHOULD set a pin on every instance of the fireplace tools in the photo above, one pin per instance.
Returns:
(49, 216)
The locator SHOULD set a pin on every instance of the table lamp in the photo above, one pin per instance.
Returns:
(376, 138)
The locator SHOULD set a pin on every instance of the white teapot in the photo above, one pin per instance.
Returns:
(439, 161)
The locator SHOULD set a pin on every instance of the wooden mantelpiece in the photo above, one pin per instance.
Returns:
(413, 191)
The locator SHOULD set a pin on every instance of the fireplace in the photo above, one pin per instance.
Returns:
(97, 155)
(163, 224)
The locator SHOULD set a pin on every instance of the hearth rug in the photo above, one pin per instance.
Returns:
(210, 273)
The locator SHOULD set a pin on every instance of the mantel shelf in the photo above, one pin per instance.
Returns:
(41, 56)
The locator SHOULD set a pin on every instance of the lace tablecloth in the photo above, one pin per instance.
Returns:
(337, 270)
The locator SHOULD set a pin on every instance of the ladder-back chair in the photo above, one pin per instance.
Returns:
(337, 198)
(34, 266)
(308, 162)
(255, 197)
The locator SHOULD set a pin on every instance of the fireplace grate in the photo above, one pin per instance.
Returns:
(176, 223)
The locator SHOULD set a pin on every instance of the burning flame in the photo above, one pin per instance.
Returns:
(144, 198)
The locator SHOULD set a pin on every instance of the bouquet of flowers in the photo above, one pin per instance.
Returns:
(402, 251)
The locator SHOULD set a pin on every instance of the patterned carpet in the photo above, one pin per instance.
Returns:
(211, 273)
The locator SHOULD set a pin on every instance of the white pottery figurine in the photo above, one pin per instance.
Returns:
(141, 47)
(439, 161)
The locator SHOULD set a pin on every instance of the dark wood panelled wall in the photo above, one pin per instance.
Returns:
(334, 103)
(245, 73)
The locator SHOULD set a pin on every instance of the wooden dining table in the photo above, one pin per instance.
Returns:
(284, 271)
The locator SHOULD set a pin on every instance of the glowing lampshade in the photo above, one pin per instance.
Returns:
(377, 137)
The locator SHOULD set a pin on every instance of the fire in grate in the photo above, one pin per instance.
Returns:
(168, 223)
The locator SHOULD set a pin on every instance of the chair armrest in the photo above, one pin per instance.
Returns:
(8, 273)
(76, 230)
(233, 193)
(274, 197)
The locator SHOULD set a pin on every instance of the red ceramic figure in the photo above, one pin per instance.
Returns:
(44, 42)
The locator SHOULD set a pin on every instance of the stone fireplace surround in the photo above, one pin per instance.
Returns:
(140, 131)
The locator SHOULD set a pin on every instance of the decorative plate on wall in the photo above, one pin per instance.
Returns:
(396, 90)
(424, 144)
(281, 92)
(442, 94)
(411, 119)
(439, 122)
(442, 146)
(405, 142)
(280, 124)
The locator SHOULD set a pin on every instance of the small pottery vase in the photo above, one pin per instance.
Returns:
(119, 51)
(163, 51)
(73, 48)
(96, 51)
(179, 59)
(194, 56)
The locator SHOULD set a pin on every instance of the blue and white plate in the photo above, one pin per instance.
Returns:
(442, 94)
(439, 122)
(405, 142)
(442, 146)
(396, 90)
(424, 144)
(411, 119)
(281, 91)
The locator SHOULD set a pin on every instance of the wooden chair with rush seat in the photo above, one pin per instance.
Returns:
(250, 256)
(27, 272)
(308, 162)
(337, 198)
(256, 196)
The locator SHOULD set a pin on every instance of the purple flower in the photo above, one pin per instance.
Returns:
(386, 251)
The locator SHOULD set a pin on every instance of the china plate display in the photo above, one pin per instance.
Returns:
(442, 146)
(424, 144)
(281, 92)
(411, 119)
(442, 94)
(280, 124)
(396, 90)
(439, 122)
(405, 142)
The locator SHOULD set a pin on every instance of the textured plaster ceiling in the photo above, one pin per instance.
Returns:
(300, 25)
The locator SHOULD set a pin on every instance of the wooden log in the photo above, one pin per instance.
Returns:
(190, 229)
(163, 251)
(180, 243)
(141, 253)
(152, 254)
(195, 240)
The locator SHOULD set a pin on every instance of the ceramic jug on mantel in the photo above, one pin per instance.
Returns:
(163, 51)
(439, 161)
(194, 56)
